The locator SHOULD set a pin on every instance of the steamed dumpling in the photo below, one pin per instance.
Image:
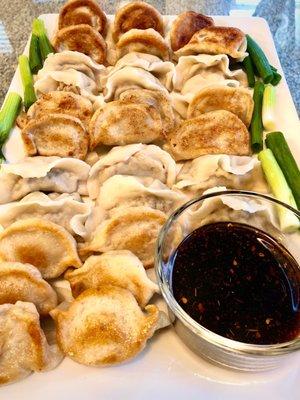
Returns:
(104, 326)
(39, 242)
(24, 282)
(24, 348)
(48, 174)
(135, 159)
(119, 268)
(65, 211)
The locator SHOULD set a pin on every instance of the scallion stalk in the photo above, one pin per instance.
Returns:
(8, 115)
(27, 81)
(248, 66)
(38, 29)
(35, 60)
(256, 127)
(268, 107)
(260, 60)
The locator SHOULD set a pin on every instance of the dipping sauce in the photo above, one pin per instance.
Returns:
(238, 282)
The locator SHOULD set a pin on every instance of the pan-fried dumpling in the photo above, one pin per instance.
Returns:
(139, 15)
(130, 191)
(135, 159)
(217, 97)
(48, 174)
(216, 40)
(62, 102)
(56, 135)
(185, 25)
(143, 41)
(215, 132)
(82, 38)
(162, 70)
(135, 229)
(76, 12)
(24, 282)
(119, 268)
(234, 172)
(116, 82)
(65, 211)
(123, 122)
(104, 326)
(39, 242)
(24, 347)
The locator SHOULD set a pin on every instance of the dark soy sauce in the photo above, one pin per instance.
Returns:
(238, 282)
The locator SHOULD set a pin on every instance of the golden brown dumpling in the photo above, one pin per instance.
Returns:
(185, 25)
(56, 135)
(82, 38)
(218, 97)
(39, 242)
(24, 282)
(77, 12)
(138, 15)
(215, 132)
(143, 41)
(216, 40)
(104, 326)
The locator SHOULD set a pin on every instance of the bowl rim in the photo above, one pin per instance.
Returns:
(225, 344)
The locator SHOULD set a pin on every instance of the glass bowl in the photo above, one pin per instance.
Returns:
(233, 206)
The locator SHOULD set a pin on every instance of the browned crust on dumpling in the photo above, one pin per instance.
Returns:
(143, 41)
(77, 12)
(219, 97)
(137, 15)
(184, 27)
(54, 135)
(82, 38)
(215, 132)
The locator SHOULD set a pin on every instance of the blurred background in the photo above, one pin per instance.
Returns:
(283, 17)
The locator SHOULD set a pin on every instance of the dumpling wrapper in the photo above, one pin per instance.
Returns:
(135, 159)
(104, 326)
(24, 348)
(48, 174)
(119, 268)
(24, 282)
(65, 211)
(39, 242)
(215, 132)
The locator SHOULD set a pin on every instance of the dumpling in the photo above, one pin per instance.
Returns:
(216, 40)
(39, 242)
(135, 159)
(162, 70)
(143, 41)
(215, 132)
(104, 326)
(117, 82)
(235, 172)
(236, 100)
(82, 38)
(135, 229)
(76, 12)
(121, 191)
(139, 15)
(24, 282)
(185, 25)
(61, 102)
(65, 211)
(24, 348)
(48, 174)
(123, 122)
(119, 268)
(56, 135)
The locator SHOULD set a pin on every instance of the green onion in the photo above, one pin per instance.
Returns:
(8, 115)
(280, 189)
(268, 108)
(27, 81)
(35, 61)
(38, 29)
(248, 66)
(277, 143)
(256, 127)
(276, 78)
(259, 60)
